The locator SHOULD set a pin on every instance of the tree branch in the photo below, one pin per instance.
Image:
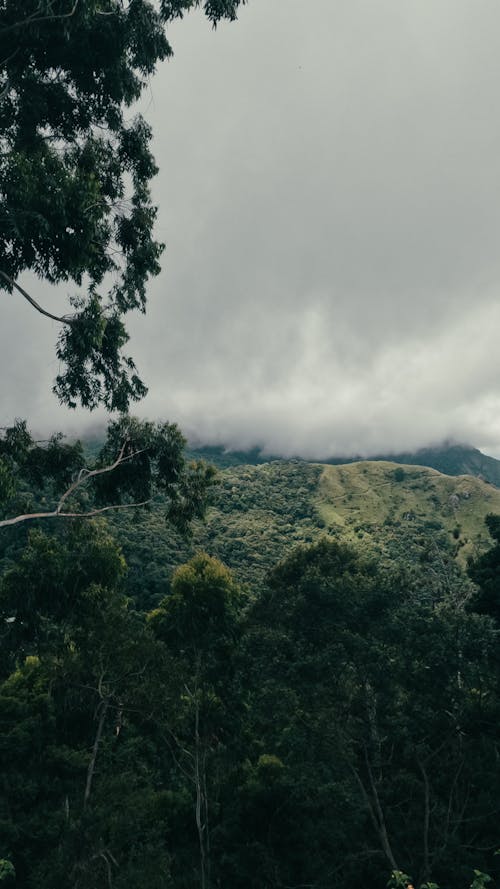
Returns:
(104, 704)
(426, 867)
(382, 829)
(63, 319)
(83, 476)
(38, 17)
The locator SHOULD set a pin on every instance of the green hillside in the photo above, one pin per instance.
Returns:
(383, 501)
(261, 512)
(453, 460)
(447, 458)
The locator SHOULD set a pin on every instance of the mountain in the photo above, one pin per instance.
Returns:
(416, 515)
(449, 459)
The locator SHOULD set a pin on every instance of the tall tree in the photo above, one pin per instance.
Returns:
(75, 205)
(83, 801)
(199, 622)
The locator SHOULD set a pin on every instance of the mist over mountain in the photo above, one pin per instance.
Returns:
(330, 284)
(450, 459)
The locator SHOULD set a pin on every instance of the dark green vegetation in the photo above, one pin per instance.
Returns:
(455, 460)
(138, 461)
(427, 521)
(75, 206)
(338, 725)
(327, 718)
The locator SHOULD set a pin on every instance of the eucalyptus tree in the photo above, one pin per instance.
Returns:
(138, 461)
(199, 621)
(75, 171)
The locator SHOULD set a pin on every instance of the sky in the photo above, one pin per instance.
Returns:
(329, 193)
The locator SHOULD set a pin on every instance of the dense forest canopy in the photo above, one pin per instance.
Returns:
(334, 725)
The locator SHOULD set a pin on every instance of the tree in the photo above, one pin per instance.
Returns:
(381, 703)
(485, 572)
(82, 801)
(137, 461)
(75, 206)
(199, 622)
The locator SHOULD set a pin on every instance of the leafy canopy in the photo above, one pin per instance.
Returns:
(75, 205)
(138, 461)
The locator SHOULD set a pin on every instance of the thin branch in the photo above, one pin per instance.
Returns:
(36, 17)
(83, 476)
(426, 867)
(104, 704)
(382, 829)
(70, 515)
(63, 319)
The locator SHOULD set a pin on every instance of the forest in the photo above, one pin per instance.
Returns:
(328, 720)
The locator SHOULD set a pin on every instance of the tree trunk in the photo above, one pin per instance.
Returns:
(103, 707)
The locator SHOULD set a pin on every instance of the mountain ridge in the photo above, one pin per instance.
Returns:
(449, 459)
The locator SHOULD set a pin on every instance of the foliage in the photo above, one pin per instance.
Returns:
(7, 872)
(201, 611)
(450, 459)
(485, 572)
(75, 206)
(399, 880)
(260, 513)
(154, 463)
(363, 691)
(332, 724)
(199, 622)
(138, 460)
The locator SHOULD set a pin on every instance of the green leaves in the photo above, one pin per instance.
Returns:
(7, 872)
(398, 880)
(74, 176)
(480, 880)
(154, 461)
(138, 461)
(96, 370)
(200, 614)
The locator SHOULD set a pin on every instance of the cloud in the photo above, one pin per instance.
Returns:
(328, 194)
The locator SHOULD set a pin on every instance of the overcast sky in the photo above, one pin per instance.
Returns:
(329, 193)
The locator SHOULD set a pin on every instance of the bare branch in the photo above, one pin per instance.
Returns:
(63, 319)
(83, 476)
(37, 17)
(103, 707)
(70, 515)
(426, 866)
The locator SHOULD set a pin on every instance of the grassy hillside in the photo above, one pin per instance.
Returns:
(261, 512)
(383, 501)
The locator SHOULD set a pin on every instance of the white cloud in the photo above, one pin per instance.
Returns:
(329, 197)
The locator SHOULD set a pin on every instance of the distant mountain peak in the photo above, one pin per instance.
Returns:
(451, 458)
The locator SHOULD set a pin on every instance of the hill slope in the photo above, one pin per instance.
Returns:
(379, 499)
(448, 459)
(261, 512)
